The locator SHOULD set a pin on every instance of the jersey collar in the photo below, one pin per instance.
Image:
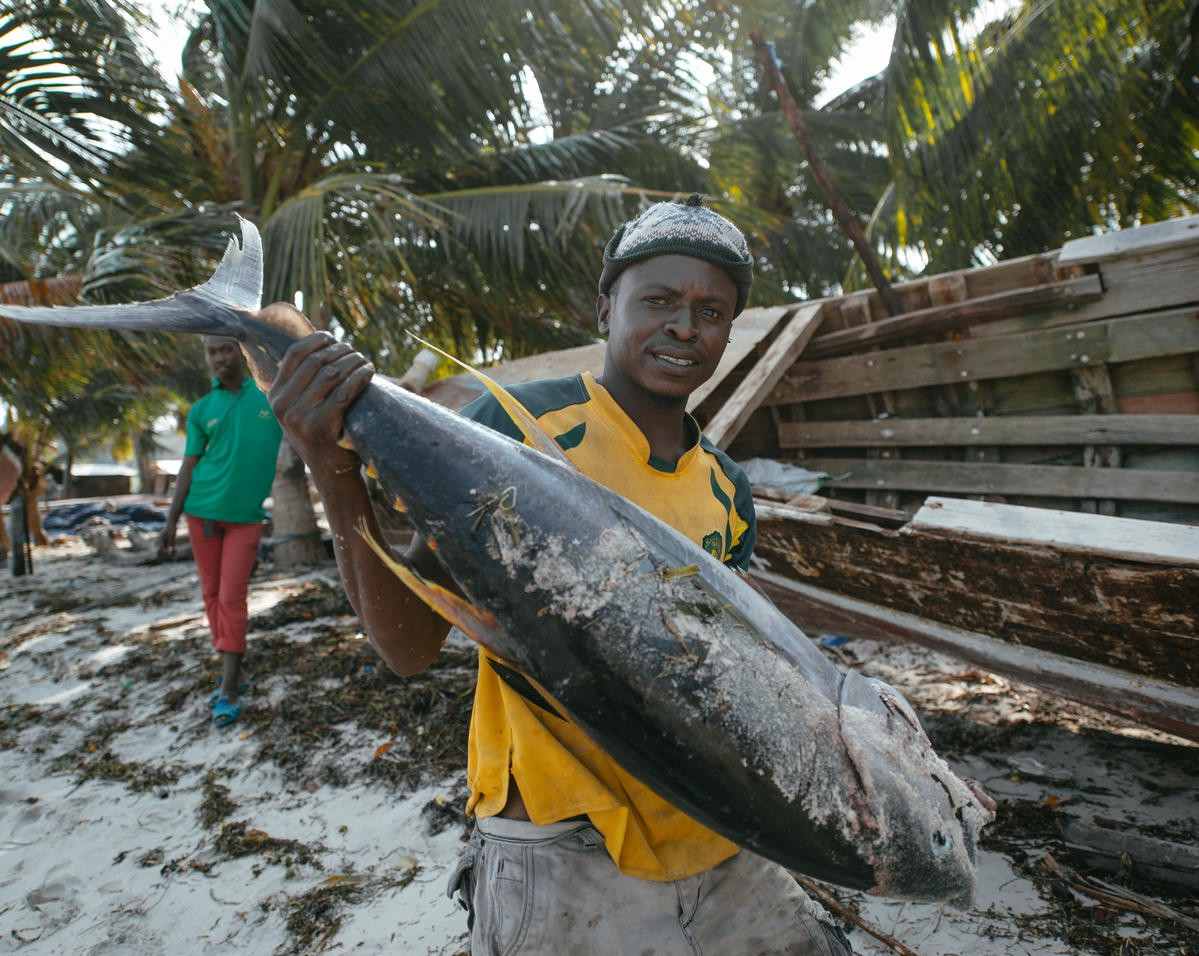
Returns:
(635, 436)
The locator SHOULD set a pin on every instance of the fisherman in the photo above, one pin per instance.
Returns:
(570, 854)
(228, 467)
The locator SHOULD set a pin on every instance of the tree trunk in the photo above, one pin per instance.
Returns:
(848, 222)
(297, 539)
(145, 445)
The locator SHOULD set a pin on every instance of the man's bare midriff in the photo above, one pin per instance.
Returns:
(514, 809)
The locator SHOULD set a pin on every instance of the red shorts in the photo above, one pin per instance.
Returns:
(225, 560)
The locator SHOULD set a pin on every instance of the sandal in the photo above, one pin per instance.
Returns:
(225, 713)
(216, 694)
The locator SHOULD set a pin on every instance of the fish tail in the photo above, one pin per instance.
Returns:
(227, 305)
(536, 436)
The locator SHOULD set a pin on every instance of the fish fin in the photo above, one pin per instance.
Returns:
(536, 436)
(215, 307)
(476, 623)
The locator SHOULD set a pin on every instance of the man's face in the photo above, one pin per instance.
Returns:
(668, 320)
(224, 356)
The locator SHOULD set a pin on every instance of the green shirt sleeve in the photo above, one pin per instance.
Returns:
(487, 411)
(197, 441)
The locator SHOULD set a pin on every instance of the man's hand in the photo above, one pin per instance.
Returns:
(318, 379)
(166, 541)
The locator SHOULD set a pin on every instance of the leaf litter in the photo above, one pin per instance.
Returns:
(324, 711)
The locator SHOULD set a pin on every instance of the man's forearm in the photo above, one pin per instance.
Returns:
(183, 483)
(407, 634)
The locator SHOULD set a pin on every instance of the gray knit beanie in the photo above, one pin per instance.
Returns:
(684, 229)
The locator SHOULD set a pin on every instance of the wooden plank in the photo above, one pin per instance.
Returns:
(1023, 430)
(951, 316)
(1048, 481)
(783, 351)
(1123, 242)
(858, 310)
(1140, 617)
(1124, 539)
(1136, 284)
(1095, 393)
(885, 517)
(1154, 703)
(1115, 847)
(1116, 340)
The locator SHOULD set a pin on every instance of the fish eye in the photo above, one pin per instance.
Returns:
(941, 841)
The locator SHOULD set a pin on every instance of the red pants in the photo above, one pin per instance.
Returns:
(225, 561)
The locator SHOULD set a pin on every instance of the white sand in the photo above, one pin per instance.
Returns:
(71, 883)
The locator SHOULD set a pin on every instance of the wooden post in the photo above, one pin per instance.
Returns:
(1095, 394)
(856, 309)
(943, 290)
(785, 349)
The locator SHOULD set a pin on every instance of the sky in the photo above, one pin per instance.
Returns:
(865, 57)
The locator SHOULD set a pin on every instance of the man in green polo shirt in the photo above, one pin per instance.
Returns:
(228, 467)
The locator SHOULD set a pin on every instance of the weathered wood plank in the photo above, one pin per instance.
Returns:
(858, 310)
(1115, 847)
(886, 517)
(1117, 340)
(1155, 703)
(1024, 430)
(1095, 393)
(1050, 481)
(1123, 242)
(764, 375)
(951, 316)
(1135, 615)
(1123, 539)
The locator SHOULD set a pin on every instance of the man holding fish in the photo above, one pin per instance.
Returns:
(571, 854)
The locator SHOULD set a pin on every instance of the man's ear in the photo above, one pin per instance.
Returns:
(603, 311)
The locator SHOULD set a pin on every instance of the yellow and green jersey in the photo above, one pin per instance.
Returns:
(560, 772)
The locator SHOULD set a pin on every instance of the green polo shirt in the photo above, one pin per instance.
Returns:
(237, 438)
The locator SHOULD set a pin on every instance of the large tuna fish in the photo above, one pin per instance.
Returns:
(684, 673)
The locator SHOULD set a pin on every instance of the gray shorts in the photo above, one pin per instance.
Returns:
(554, 890)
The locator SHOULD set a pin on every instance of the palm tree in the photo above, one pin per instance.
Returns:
(976, 140)
(387, 150)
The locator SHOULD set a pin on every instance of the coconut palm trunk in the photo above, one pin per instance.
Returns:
(295, 532)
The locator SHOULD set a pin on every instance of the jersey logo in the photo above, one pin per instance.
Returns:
(213, 422)
(713, 544)
(264, 413)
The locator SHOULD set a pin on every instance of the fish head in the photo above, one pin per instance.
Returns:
(923, 819)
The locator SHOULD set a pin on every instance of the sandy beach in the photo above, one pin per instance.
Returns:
(328, 817)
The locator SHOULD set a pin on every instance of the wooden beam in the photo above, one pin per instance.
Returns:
(1123, 539)
(1140, 617)
(1116, 340)
(886, 517)
(1049, 481)
(1124, 242)
(971, 432)
(1133, 285)
(956, 315)
(1155, 703)
(858, 311)
(783, 351)
(1095, 393)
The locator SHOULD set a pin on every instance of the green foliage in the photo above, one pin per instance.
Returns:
(404, 179)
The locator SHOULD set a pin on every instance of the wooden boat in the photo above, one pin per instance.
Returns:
(1013, 462)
